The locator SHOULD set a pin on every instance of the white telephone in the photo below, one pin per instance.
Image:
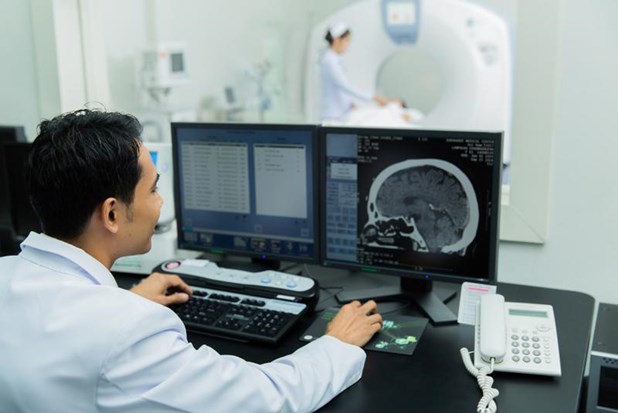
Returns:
(519, 337)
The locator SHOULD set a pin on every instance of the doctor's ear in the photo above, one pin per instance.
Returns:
(109, 214)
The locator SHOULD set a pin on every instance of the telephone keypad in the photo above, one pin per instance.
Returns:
(524, 342)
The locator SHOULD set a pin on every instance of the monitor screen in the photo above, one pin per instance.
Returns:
(415, 203)
(246, 189)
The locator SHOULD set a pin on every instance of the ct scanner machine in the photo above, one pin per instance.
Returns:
(468, 46)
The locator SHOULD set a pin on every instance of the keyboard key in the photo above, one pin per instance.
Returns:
(223, 297)
(257, 303)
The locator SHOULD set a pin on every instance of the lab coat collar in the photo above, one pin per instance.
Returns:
(65, 258)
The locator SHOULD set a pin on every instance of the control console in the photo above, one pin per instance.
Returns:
(268, 283)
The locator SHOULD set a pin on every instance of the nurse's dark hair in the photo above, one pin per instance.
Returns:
(329, 37)
(78, 160)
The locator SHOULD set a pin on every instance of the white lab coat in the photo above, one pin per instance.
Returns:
(72, 341)
(338, 94)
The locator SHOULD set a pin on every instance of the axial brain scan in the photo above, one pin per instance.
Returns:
(423, 205)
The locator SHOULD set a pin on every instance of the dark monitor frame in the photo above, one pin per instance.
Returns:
(12, 134)
(9, 134)
(415, 285)
(21, 215)
(259, 260)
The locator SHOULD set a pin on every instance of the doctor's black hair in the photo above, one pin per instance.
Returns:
(329, 37)
(78, 160)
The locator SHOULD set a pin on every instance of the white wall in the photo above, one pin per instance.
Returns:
(225, 40)
(41, 72)
(19, 103)
(125, 33)
(582, 242)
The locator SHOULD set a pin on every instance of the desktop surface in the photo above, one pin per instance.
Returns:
(434, 379)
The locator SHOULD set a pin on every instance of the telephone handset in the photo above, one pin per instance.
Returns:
(517, 337)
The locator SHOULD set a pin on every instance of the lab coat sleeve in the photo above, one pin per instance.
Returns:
(155, 369)
(340, 79)
(315, 373)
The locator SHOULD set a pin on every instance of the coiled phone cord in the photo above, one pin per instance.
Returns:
(487, 403)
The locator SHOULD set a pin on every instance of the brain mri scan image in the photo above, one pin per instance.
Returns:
(422, 205)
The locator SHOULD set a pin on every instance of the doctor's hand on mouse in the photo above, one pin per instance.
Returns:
(356, 323)
(163, 289)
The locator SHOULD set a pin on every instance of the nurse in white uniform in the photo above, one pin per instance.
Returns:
(338, 94)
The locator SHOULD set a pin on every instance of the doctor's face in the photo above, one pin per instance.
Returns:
(142, 215)
(341, 44)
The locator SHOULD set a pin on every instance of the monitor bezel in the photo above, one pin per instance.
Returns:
(498, 137)
(13, 134)
(23, 219)
(312, 128)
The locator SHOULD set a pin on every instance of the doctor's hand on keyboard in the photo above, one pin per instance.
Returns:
(164, 289)
(250, 317)
(356, 323)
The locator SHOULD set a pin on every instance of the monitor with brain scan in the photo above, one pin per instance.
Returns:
(420, 204)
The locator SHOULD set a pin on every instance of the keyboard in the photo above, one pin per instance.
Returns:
(239, 316)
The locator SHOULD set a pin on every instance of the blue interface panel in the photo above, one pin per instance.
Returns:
(246, 189)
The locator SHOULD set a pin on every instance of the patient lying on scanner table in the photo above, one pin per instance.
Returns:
(394, 114)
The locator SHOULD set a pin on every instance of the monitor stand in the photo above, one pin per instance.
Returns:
(431, 301)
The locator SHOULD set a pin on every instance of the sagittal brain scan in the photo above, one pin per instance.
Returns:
(413, 201)
(422, 205)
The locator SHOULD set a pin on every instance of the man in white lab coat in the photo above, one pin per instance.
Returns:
(72, 341)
